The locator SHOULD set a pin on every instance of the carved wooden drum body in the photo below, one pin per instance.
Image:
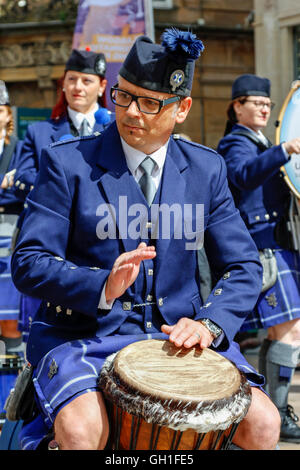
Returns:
(165, 398)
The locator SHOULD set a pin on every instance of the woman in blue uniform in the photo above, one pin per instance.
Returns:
(80, 110)
(10, 208)
(263, 199)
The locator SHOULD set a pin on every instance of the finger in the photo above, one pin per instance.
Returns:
(4, 184)
(138, 256)
(167, 329)
(142, 245)
(180, 335)
(192, 340)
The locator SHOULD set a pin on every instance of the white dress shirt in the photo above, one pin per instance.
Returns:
(1, 146)
(134, 158)
(78, 117)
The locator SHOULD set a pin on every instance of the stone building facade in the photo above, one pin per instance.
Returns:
(277, 48)
(33, 53)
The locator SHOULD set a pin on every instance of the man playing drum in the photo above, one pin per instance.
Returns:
(96, 247)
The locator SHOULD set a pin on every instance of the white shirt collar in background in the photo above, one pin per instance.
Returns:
(1, 146)
(78, 117)
(258, 134)
(2, 141)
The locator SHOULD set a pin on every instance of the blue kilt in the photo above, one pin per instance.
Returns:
(280, 303)
(9, 296)
(73, 368)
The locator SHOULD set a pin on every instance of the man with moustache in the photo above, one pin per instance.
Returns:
(102, 291)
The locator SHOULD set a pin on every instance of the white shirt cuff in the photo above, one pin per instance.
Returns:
(285, 153)
(103, 305)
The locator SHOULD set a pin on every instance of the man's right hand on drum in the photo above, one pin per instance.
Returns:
(188, 332)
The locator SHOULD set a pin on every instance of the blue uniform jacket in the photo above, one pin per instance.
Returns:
(10, 200)
(64, 258)
(39, 135)
(257, 185)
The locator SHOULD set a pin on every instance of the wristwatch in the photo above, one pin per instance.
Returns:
(212, 327)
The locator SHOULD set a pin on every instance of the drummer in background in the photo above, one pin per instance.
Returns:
(10, 208)
(262, 197)
(105, 286)
(80, 110)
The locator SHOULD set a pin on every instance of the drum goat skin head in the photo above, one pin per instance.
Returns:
(178, 388)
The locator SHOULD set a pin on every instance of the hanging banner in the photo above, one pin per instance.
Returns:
(111, 27)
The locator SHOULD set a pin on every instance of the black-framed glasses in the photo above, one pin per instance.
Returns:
(145, 104)
(260, 104)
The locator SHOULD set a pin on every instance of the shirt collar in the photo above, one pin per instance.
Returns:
(1, 145)
(2, 141)
(78, 117)
(135, 157)
(258, 134)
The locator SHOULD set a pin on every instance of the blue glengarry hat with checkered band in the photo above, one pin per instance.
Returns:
(167, 67)
(86, 61)
(251, 85)
(4, 97)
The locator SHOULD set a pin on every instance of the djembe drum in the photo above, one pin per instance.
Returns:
(165, 398)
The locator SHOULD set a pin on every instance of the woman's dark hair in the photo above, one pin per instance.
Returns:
(232, 119)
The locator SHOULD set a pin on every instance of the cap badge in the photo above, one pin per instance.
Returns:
(100, 66)
(176, 79)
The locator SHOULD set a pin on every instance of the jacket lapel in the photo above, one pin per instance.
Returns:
(7, 154)
(123, 192)
(119, 185)
(60, 128)
(172, 193)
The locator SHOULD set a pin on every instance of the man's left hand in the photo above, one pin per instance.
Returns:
(8, 180)
(187, 332)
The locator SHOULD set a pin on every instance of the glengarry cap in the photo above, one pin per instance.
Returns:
(167, 67)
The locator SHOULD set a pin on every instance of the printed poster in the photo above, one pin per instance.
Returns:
(111, 27)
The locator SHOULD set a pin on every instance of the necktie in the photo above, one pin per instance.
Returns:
(84, 128)
(146, 182)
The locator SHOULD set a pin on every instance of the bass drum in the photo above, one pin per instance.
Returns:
(288, 128)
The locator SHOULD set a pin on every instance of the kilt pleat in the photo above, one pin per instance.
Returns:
(280, 303)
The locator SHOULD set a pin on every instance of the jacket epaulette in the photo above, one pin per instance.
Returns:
(74, 139)
(194, 144)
